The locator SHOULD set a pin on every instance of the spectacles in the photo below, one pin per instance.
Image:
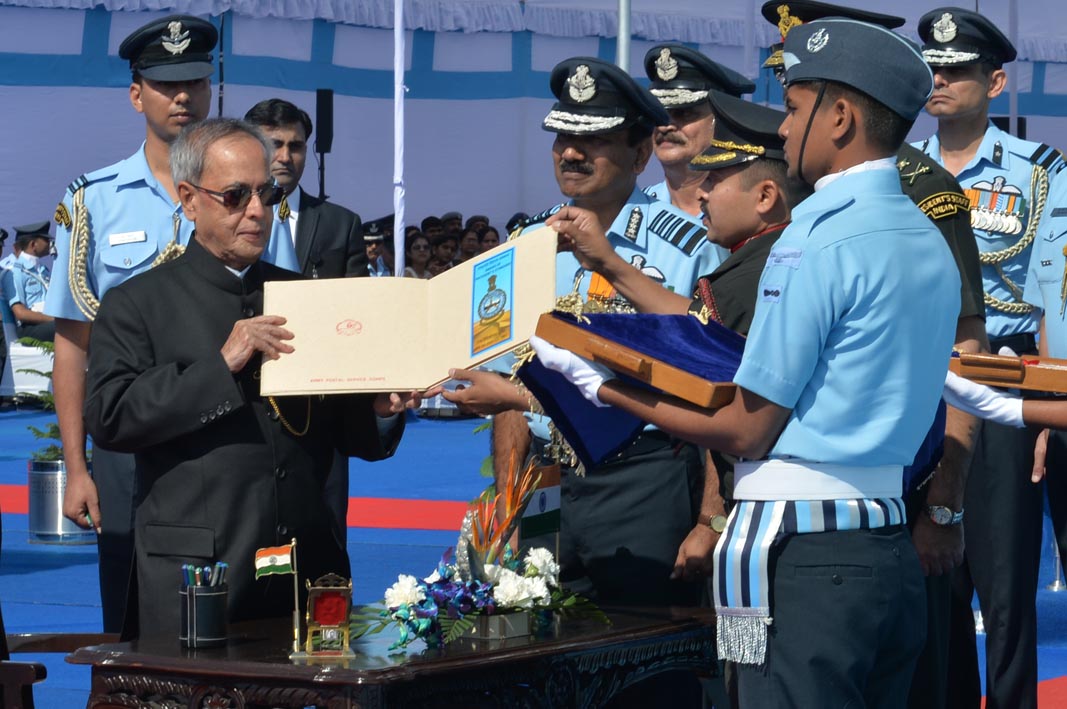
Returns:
(421, 247)
(239, 197)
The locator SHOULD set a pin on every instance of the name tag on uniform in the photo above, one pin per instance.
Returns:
(790, 258)
(126, 237)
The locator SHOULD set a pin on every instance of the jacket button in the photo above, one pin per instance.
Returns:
(249, 312)
(203, 418)
(220, 410)
(279, 473)
(211, 415)
(226, 406)
(837, 580)
(283, 530)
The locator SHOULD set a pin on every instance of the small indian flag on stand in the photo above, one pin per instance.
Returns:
(274, 560)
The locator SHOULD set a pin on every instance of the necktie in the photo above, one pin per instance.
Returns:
(280, 249)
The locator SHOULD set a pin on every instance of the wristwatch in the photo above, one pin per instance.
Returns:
(717, 523)
(944, 516)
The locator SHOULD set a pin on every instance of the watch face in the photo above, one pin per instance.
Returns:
(941, 515)
(717, 523)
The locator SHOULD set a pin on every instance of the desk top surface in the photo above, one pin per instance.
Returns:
(260, 648)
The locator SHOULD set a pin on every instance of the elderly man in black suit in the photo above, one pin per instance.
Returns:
(174, 378)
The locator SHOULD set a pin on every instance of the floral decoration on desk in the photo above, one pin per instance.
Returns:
(483, 578)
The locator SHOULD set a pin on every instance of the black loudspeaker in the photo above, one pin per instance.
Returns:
(323, 120)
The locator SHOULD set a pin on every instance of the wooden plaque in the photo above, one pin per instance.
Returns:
(1027, 372)
(665, 377)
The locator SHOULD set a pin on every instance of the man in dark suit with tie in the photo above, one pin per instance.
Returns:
(310, 235)
(325, 239)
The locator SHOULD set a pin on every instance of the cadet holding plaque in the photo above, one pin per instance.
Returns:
(838, 385)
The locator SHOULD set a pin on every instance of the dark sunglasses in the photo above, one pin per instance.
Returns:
(239, 197)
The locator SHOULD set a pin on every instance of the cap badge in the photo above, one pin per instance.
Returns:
(666, 65)
(581, 86)
(945, 29)
(786, 21)
(178, 41)
(817, 41)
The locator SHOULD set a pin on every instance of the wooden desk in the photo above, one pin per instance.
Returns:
(582, 664)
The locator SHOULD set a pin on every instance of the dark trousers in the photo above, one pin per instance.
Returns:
(1056, 487)
(622, 523)
(620, 529)
(849, 621)
(929, 684)
(1002, 532)
(335, 492)
(116, 485)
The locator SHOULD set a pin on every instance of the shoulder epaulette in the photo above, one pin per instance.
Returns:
(1048, 157)
(538, 218)
(678, 230)
(78, 183)
(91, 177)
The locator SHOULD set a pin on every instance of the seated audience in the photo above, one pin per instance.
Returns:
(489, 238)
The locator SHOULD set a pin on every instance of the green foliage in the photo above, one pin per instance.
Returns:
(486, 468)
(455, 628)
(47, 402)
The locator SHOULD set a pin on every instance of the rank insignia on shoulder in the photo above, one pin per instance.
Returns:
(678, 230)
(62, 216)
(634, 223)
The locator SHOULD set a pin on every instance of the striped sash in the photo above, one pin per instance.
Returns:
(742, 560)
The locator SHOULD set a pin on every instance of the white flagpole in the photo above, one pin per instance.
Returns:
(622, 42)
(398, 136)
(296, 600)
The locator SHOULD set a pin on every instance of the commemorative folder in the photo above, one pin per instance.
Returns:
(1026, 372)
(402, 334)
(675, 354)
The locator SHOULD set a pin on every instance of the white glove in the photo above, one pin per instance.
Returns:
(587, 376)
(982, 401)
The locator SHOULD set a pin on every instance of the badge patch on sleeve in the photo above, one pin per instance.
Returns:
(62, 216)
(944, 204)
(788, 257)
(770, 293)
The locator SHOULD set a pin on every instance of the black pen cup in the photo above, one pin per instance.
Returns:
(203, 618)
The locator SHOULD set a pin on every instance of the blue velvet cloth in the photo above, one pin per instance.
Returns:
(710, 351)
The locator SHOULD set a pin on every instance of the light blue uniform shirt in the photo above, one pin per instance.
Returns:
(666, 244)
(854, 324)
(998, 183)
(29, 282)
(131, 221)
(1048, 265)
(660, 192)
(8, 262)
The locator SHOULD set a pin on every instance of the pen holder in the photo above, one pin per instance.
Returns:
(203, 617)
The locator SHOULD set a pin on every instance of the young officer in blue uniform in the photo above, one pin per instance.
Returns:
(622, 524)
(1013, 187)
(681, 79)
(26, 285)
(114, 223)
(818, 588)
